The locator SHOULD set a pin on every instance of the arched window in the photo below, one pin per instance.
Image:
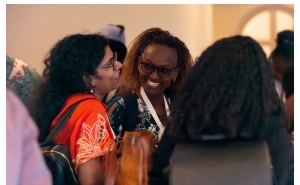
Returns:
(264, 22)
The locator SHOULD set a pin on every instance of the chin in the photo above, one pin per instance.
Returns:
(150, 91)
(114, 87)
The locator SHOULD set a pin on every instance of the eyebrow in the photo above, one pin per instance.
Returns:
(149, 61)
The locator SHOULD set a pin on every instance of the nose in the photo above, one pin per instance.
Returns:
(154, 75)
(118, 65)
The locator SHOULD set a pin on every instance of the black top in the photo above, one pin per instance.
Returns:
(280, 147)
(145, 120)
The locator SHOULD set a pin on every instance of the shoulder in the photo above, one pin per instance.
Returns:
(118, 102)
(121, 98)
(17, 116)
(90, 102)
(93, 104)
(13, 103)
(87, 101)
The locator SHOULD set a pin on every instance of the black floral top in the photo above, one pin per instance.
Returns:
(145, 120)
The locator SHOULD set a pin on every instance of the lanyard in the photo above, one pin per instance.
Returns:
(153, 113)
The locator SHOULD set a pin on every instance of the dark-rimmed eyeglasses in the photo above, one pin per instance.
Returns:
(162, 71)
(111, 62)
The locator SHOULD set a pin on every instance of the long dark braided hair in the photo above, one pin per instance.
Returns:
(229, 91)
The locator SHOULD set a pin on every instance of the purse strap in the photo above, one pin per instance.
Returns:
(63, 120)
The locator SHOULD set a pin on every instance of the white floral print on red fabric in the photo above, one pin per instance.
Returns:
(93, 141)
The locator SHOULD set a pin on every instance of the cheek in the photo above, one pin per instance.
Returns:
(167, 81)
(98, 77)
(105, 75)
(142, 75)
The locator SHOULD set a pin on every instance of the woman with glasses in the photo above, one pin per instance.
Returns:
(156, 63)
(79, 67)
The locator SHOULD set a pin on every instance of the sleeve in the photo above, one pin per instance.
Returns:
(25, 163)
(93, 135)
(282, 153)
(117, 117)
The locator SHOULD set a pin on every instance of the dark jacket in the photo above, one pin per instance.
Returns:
(279, 143)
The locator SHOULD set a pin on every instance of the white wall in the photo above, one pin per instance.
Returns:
(31, 30)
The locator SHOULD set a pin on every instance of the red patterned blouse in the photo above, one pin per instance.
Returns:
(87, 133)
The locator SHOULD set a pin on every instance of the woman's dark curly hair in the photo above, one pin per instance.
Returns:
(153, 36)
(229, 91)
(72, 59)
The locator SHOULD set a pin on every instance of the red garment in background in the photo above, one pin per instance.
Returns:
(87, 133)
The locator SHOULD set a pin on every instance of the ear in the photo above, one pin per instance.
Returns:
(176, 72)
(89, 80)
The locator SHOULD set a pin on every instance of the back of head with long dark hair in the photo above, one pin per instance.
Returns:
(230, 91)
(153, 36)
(71, 60)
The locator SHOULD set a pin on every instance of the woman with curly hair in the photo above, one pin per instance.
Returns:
(79, 67)
(156, 64)
(229, 93)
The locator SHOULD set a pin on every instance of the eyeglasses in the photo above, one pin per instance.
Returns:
(111, 62)
(162, 72)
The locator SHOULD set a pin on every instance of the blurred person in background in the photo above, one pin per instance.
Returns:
(282, 57)
(116, 42)
(288, 88)
(22, 80)
(25, 163)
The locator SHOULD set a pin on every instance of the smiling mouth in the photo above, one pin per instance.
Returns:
(116, 75)
(152, 84)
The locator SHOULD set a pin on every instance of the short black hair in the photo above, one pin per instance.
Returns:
(119, 47)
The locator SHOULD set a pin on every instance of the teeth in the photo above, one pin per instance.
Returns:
(153, 84)
(117, 75)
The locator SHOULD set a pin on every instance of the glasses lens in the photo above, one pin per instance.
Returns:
(147, 68)
(164, 72)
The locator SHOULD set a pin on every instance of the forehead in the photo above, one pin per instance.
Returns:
(160, 55)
